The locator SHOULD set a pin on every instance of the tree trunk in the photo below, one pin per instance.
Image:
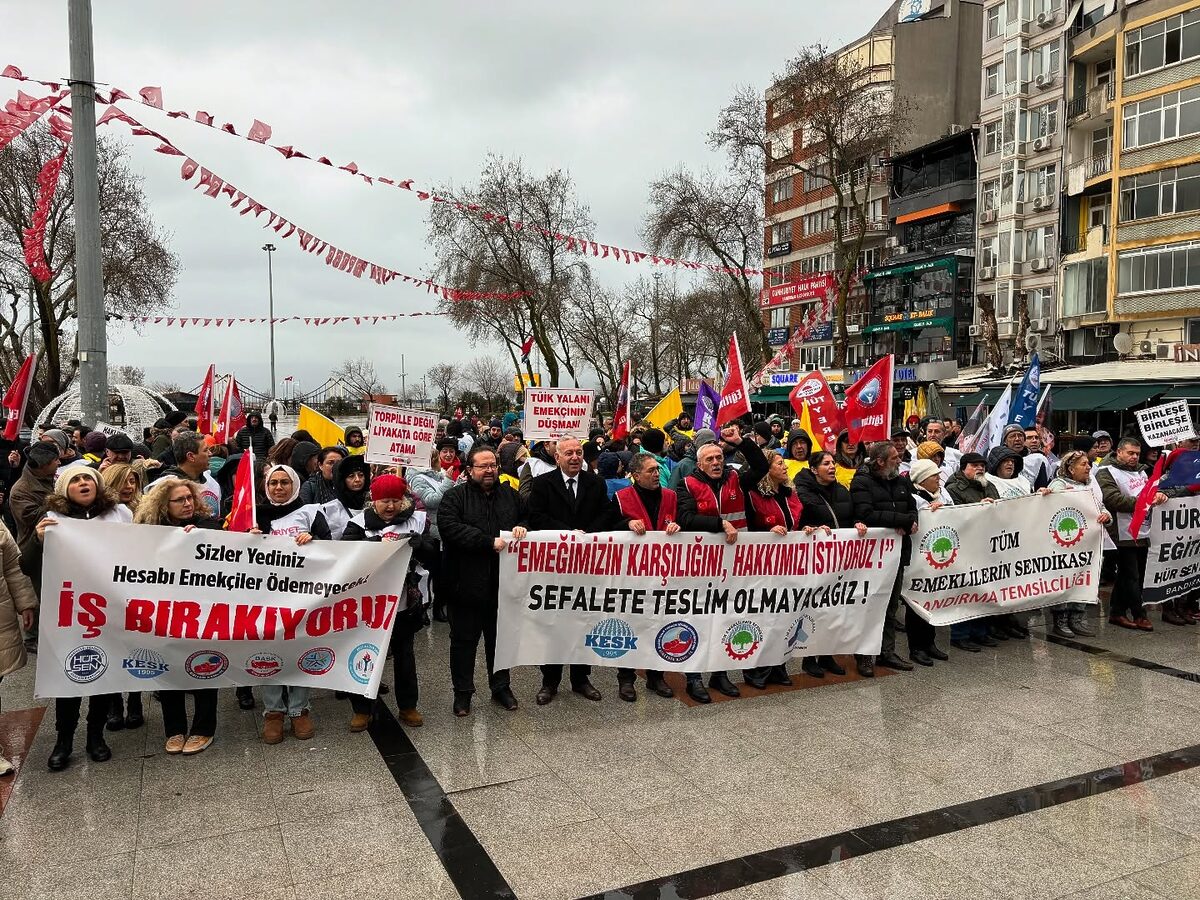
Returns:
(993, 356)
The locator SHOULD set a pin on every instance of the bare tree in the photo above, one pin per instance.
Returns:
(164, 387)
(126, 375)
(445, 378)
(993, 354)
(139, 269)
(513, 248)
(359, 375)
(604, 331)
(845, 120)
(490, 379)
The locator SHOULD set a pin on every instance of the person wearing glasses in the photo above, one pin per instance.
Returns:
(470, 518)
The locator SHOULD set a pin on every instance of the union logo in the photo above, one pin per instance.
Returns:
(742, 639)
(1068, 527)
(940, 546)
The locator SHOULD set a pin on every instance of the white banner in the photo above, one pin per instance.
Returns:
(1167, 423)
(984, 559)
(691, 602)
(553, 413)
(399, 437)
(143, 608)
(1173, 564)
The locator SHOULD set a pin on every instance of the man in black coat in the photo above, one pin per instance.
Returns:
(568, 499)
(471, 516)
(882, 499)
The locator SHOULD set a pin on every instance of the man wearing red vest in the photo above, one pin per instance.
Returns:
(641, 507)
(713, 499)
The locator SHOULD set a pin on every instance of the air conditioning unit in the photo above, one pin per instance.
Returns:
(1018, 207)
(1044, 80)
(892, 241)
(957, 129)
(899, 250)
(1043, 202)
(987, 217)
(1042, 143)
(1103, 331)
(1039, 263)
(1039, 325)
(987, 273)
(1163, 351)
(1145, 348)
(975, 330)
(1046, 19)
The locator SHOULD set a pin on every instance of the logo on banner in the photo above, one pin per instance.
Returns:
(940, 546)
(610, 639)
(870, 393)
(1067, 527)
(85, 664)
(676, 642)
(144, 664)
(742, 640)
(264, 665)
(206, 664)
(316, 661)
(799, 633)
(362, 662)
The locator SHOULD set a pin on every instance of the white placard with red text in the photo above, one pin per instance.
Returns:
(1167, 423)
(148, 608)
(553, 413)
(399, 437)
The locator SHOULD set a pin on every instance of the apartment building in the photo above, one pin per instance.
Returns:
(1020, 165)
(1130, 281)
(925, 51)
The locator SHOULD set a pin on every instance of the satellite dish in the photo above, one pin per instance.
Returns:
(1033, 342)
(1122, 342)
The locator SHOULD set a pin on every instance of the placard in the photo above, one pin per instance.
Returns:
(1173, 562)
(399, 437)
(1167, 423)
(553, 413)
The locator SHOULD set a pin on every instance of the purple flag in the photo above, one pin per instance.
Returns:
(707, 402)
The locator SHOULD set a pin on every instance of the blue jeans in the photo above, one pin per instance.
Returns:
(294, 704)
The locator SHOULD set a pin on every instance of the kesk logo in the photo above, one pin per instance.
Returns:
(676, 642)
(316, 661)
(85, 664)
(742, 639)
(1068, 527)
(610, 639)
(206, 664)
(799, 634)
(144, 664)
(940, 546)
(870, 393)
(264, 665)
(362, 662)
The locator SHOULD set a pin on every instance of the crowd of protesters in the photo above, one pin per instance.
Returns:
(483, 479)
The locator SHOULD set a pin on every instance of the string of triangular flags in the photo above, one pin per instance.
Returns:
(260, 133)
(227, 321)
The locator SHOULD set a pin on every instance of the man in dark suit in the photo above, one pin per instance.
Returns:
(568, 499)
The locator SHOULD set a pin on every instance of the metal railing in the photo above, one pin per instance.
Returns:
(1077, 241)
(1094, 102)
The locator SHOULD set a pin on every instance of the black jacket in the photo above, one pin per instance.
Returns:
(885, 503)
(551, 509)
(824, 504)
(316, 489)
(750, 475)
(469, 520)
(255, 435)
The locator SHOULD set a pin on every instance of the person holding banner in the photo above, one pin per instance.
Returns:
(1075, 474)
(352, 482)
(471, 517)
(78, 494)
(642, 507)
(285, 513)
(713, 499)
(430, 485)
(569, 499)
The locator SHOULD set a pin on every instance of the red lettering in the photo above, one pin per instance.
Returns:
(268, 632)
(139, 616)
(319, 621)
(344, 615)
(185, 620)
(290, 618)
(216, 628)
(393, 602)
(162, 618)
(66, 605)
(245, 623)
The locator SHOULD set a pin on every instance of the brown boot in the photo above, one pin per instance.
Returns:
(302, 726)
(272, 728)
(359, 722)
(412, 718)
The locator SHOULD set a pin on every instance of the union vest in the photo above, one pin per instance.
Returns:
(767, 513)
(632, 507)
(730, 505)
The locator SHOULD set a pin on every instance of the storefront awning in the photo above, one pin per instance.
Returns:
(1184, 392)
(946, 322)
(987, 396)
(771, 394)
(1103, 397)
(946, 262)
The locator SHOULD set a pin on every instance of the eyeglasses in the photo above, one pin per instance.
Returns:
(182, 500)
(486, 466)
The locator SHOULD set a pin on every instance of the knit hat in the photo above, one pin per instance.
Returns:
(704, 436)
(926, 449)
(161, 424)
(59, 437)
(608, 465)
(1009, 429)
(448, 443)
(119, 443)
(65, 476)
(42, 453)
(495, 423)
(1097, 435)
(95, 442)
(176, 417)
(654, 441)
(388, 487)
(763, 429)
(969, 458)
(922, 469)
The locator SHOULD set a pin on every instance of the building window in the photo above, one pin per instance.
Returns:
(1043, 181)
(781, 232)
(990, 194)
(814, 182)
(870, 258)
(1162, 43)
(779, 316)
(1039, 242)
(1102, 74)
(1160, 193)
(1159, 268)
(1085, 287)
(816, 264)
(1098, 211)
(1043, 121)
(1102, 142)
(995, 27)
(989, 251)
(991, 80)
(1039, 302)
(776, 275)
(991, 137)
(1193, 331)
(781, 190)
(1045, 60)
(1163, 118)
(818, 222)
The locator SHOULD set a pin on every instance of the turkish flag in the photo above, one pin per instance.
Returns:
(205, 402)
(17, 396)
(260, 132)
(152, 96)
(621, 415)
(735, 397)
(868, 410)
(241, 514)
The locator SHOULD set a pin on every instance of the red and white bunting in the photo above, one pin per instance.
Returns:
(316, 322)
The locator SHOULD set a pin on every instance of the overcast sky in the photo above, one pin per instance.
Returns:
(616, 93)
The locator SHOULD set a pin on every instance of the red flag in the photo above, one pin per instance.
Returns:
(260, 132)
(823, 411)
(233, 414)
(621, 415)
(1142, 508)
(205, 402)
(17, 396)
(735, 401)
(868, 409)
(241, 513)
(527, 347)
(152, 96)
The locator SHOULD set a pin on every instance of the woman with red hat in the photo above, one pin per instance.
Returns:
(392, 515)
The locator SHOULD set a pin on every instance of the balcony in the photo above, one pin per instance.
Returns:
(1093, 239)
(1096, 102)
(850, 227)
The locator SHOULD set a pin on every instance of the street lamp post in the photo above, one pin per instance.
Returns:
(270, 248)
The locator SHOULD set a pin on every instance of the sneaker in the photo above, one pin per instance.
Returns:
(1079, 625)
(175, 743)
(1143, 624)
(197, 743)
(272, 732)
(1062, 629)
(6, 768)
(411, 718)
(302, 726)
(359, 722)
